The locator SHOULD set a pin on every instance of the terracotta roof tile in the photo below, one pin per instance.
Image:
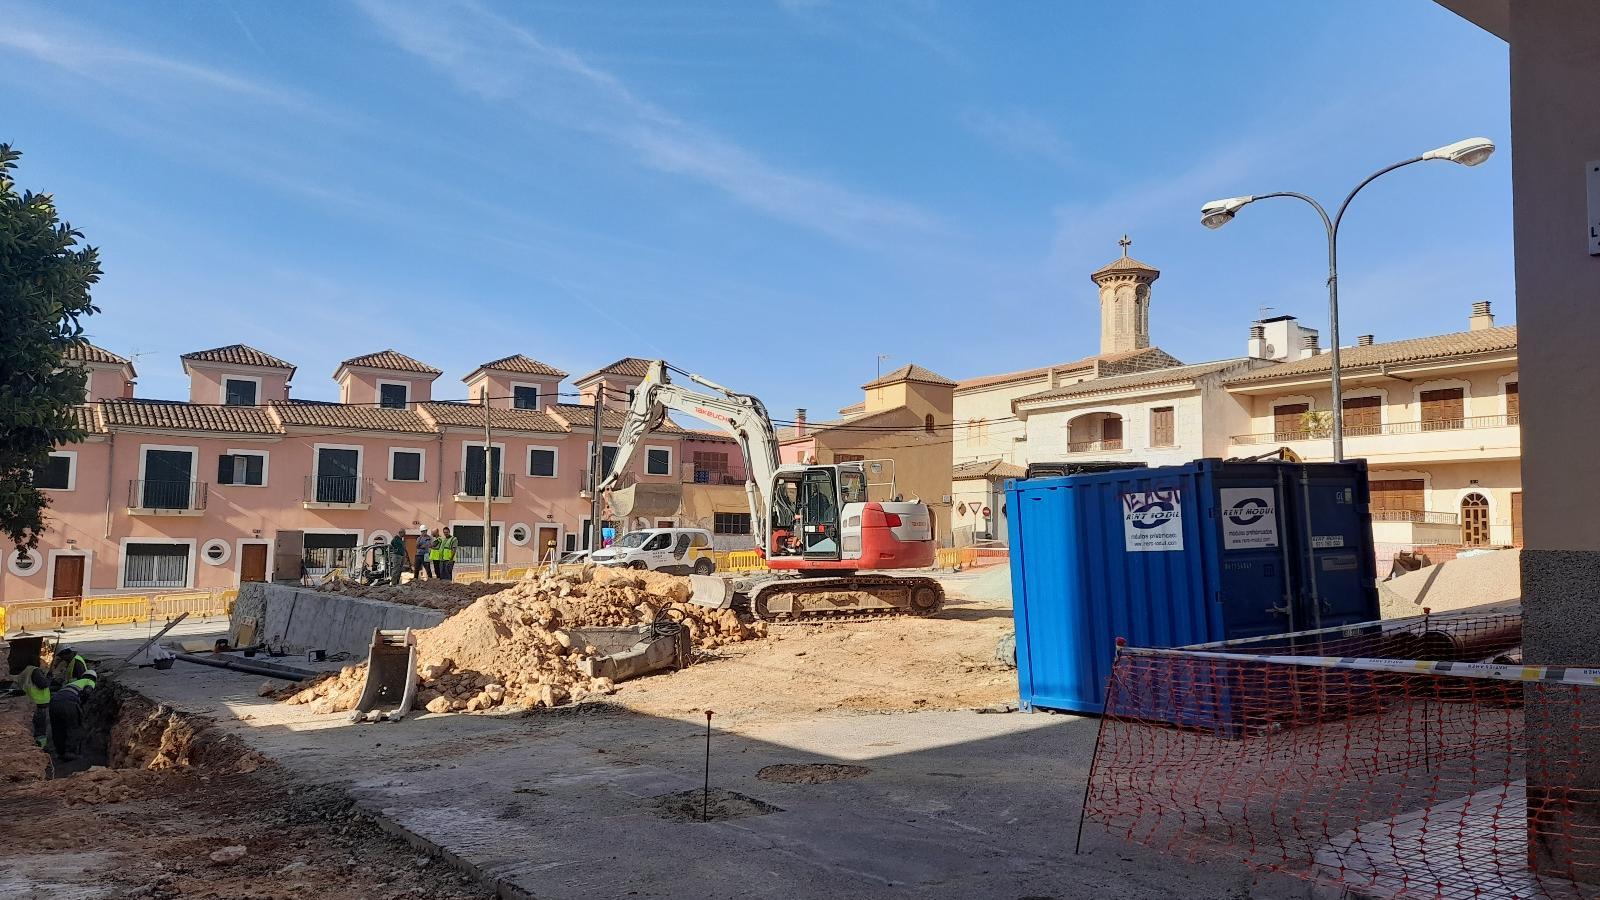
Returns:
(521, 365)
(183, 416)
(1136, 380)
(1088, 362)
(238, 355)
(392, 360)
(580, 415)
(627, 367)
(319, 414)
(911, 372)
(83, 351)
(786, 435)
(987, 468)
(88, 418)
(1352, 359)
(471, 415)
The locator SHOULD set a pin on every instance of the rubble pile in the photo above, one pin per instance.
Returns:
(516, 647)
(431, 593)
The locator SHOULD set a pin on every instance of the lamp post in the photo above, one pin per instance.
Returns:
(1218, 213)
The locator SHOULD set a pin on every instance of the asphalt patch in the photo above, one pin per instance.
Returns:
(810, 773)
(695, 806)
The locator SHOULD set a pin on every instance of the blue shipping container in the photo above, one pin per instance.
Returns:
(1180, 555)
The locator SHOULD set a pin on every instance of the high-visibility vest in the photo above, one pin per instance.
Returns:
(39, 695)
(450, 547)
(75, 667)
(82, 684)
(436, 550)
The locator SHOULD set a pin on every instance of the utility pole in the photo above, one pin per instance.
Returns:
(595, 475)
(489, 483)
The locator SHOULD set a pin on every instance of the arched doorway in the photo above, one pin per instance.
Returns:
(1094, 432)
(1474, 520)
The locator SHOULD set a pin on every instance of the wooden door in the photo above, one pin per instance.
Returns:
(411, 548)
(1362, 415)
(1513, 404)
(1288, 421)
(1162, 432)
(252, 562)
(1397, 500)
(1474, 520)
(546, 543)
(1516, 518)
(67, 583)
(1443, 409)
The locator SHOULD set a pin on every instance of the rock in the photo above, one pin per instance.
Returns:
(603, 685)
(228, 855)
(552, 695)
(266, 689)
(495, 692)
(439, 705)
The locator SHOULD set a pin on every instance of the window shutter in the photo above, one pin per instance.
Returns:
(1513, 403)
(225, 469)
(252, 469)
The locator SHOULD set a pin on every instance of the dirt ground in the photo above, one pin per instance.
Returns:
(143, 832)
(884, 665)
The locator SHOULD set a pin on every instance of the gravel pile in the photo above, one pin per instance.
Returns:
(1487, 578)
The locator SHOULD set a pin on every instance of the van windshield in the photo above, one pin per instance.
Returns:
(631, 539)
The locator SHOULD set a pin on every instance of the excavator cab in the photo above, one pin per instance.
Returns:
(805, 513)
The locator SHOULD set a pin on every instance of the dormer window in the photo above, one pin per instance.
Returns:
(393, 395)
(240, 391)
(525, 396)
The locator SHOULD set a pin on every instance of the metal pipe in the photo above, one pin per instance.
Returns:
(490, 484)
(249, 668)
(596, 454)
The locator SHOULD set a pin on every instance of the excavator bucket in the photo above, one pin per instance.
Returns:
(391, 678)
(646, 501)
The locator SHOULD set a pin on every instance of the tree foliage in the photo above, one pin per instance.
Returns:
(45, 277)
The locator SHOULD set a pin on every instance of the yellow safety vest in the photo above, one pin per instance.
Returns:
(436, 549)
(39, 695)
(82, 684)
(450, 547)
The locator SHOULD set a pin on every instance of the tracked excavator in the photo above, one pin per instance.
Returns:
(831, 551)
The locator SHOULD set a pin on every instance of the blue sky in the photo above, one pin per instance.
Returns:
(769, 194)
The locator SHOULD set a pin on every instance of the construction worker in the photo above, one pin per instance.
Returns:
(66, 715)
(424, 558)
(34, 683)
(397, 556)
(68, 664)
(448, 554)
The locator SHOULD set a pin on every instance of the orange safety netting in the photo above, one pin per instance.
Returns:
(1410, 758)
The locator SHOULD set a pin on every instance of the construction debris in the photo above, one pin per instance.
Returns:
(516, 648)
(433, 593)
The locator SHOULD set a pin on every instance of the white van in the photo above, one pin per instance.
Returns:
(678, 551)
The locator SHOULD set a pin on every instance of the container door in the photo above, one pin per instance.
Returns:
(1254, 567)
(1045, 601)
(1333, 531)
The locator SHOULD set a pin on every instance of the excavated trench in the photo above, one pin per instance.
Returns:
(122, 729)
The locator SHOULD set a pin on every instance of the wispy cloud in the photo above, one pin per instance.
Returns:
(870, 25)
(132, 71)
(499, 60)
(1020, 133)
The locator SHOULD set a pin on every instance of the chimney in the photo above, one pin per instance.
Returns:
(1309, 342)
(800, 422)
(1256, 347)
(1481, 318)
(1364, 340)
(127, 390)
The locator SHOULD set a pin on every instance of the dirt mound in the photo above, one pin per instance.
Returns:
(515, 648)
(810, 773)
(432, 594)
(1466, 581)
(20, 759)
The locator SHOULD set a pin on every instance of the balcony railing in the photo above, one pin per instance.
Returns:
(1417, 516)
(471, 484)
(693, 474)
(177, 496)
(1094, 446)
(340, 489)
(1324, 433)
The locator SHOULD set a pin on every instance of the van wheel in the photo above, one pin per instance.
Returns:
(638, 564)
(703, 566)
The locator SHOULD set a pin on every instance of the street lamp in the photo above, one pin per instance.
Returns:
(1218, 213)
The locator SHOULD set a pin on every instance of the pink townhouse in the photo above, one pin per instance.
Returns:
(242, 482)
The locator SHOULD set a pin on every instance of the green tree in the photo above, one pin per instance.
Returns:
(45, 277)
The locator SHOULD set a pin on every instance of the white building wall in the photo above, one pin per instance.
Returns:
(997, 437)
(1048, 430)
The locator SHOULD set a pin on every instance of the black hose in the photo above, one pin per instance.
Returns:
(238, 665)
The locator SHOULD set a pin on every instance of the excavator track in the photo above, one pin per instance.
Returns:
(839, 598)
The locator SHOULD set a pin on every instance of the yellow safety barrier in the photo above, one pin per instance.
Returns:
(195, 603)
(228, 596)
(947, 557)
(739, 561)
(515, 574)
(2, 620)
(115, 610)
(46, 614)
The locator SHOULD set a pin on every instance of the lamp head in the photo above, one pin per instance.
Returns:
(1218, 213)
(1469, 152)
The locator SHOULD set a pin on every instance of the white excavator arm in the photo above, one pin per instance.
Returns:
(741, 416)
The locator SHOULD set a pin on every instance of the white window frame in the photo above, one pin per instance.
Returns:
(526, 528)
(588, 454)
(122, 560)
(72, 470)
(499, 546)
(422, 468)
(316, 459)
(222, 387)
(555, 460)
(238, 557)
(227, 551)
(377, 395)
(670, 460)
(50, 569)
(265, 459)
(538, 388)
